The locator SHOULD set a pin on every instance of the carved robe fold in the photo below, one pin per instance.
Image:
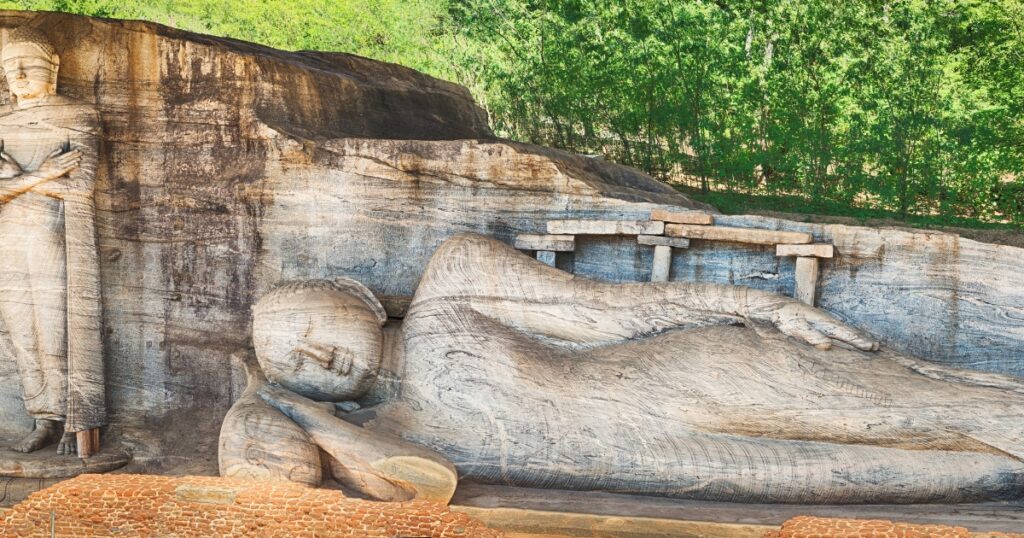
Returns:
(521, 374)
(49, 269)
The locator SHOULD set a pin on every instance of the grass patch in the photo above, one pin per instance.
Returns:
(734, 203)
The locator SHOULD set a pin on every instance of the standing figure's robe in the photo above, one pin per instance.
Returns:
(49, 271)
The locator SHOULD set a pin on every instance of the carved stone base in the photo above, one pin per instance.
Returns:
(46, 463)
(15, 490)
(534, 512)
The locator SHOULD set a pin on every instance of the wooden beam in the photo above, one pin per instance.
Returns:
(88, 442)
(817, 250)
(806, 279)
(662, 263)
(755, 236)
(556, 243)
(683, 217)
(661, 240)
(606, 227)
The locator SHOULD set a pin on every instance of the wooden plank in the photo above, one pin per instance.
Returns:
(817, 250)
(556, 243)
(662, 263)
(606, 227)
(546, 256)
(755, 236)
(88, 442)
(806, 279)
(683, 217)
(661, 240)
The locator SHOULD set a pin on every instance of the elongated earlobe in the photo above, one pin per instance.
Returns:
(56, 70)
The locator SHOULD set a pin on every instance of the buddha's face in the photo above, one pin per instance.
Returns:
(31, 74)
(323, 344)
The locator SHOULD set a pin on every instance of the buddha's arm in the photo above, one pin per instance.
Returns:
(20, 184)
(496, 281)
(596, 313)
(83, 138)
(375, 464)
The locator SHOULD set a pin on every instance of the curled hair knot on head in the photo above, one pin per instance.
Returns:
(283, 294)
(26, 35)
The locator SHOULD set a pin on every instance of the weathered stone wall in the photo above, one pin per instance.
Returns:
(375, 210)
(226, 167)
(934, 295)
(215, 153)
(182, 116)
(140, 505)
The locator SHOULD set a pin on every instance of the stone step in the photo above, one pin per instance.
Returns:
(663, 241)
(606, 227)
(554, 243)
(683, 217)
(643, 516)
(817, 250)
(754, 236)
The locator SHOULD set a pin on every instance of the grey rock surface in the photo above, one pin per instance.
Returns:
(226, 168)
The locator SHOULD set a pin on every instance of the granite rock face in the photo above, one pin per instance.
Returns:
(226, 168)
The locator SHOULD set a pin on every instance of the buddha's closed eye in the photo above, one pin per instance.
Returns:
(321, 354)
(328, 357)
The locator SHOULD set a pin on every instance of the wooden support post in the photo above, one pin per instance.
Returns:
(806, 278)
(88, 442)
(546, 256)
(662, 263)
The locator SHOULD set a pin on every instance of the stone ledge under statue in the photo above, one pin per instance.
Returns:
(512, 372)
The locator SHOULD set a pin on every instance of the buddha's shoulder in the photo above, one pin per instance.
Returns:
(70, 107)
(58, 112)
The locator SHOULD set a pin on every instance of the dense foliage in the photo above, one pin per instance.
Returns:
(915, 106)
(908, 105)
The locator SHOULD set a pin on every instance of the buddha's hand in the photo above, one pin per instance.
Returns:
(9, 168)
(59, 164)
(803, 322)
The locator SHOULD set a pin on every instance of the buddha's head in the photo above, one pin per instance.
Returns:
(322, 339)
(30, 65)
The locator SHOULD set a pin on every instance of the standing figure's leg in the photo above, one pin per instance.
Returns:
(16, 308)
(48, 274)
(33, 303)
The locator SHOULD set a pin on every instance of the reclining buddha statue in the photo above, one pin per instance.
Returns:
(508, 371)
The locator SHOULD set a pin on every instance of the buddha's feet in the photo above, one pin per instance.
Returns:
(43, 434)
(68, 445)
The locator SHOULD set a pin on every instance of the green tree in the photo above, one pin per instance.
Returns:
(912, 106)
